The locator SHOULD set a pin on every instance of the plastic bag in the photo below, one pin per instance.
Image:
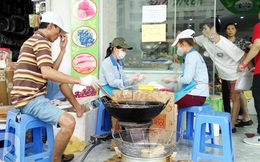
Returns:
(75, 145)
(244, 81)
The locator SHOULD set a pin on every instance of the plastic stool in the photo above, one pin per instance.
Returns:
(19, 147)
(103, 120)
(226, 145)
(191, 112)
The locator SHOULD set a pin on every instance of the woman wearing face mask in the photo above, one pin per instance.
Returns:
(194, 79)
(111, 74)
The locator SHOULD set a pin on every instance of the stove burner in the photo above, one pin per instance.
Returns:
(136, 128)
(129, 125)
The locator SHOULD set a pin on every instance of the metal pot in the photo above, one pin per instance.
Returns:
(149, 46)
(134, 111)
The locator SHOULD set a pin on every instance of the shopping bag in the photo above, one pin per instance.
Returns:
(244, 81)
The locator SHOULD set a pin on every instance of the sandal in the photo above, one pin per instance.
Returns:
(239, 118)
(67, 158)
(242, 123)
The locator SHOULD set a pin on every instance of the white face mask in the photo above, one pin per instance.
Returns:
(180, 51)
(121, 55)
(211, 36)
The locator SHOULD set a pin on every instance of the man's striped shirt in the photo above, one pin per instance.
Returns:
(28, 82)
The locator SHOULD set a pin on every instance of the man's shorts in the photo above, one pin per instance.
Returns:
(42, 108)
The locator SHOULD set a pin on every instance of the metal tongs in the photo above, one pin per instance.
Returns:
(108, 95)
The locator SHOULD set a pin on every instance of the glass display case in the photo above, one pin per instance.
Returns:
(123, 18)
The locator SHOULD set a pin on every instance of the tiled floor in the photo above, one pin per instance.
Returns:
(243, 152)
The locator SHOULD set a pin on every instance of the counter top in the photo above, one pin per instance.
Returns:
(152, 71)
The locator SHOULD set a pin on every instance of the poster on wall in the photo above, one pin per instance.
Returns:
(84, 44)
(241, 6)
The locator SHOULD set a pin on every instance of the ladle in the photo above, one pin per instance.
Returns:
(108, 95)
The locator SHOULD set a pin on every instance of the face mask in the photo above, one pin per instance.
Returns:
(121, 55)
(211, 37)
(180, 51)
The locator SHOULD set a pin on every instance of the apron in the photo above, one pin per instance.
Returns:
(109, 89)
(185, 89)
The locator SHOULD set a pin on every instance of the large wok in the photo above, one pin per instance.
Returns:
(150, 46)
(134, 111)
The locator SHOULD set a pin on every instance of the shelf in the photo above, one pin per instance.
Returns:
(10, 45)
(14, 34)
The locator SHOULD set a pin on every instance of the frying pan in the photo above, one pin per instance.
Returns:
(149, 46)
(135, 111)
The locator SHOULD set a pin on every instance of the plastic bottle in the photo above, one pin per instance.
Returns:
(5, 58)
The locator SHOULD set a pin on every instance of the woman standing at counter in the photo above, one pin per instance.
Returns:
(111, 74)
(194, 79)
(243, 118)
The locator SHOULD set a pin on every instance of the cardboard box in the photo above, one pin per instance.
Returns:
(3, 96)
(9, 74)
(167, 119)
(6, 84)
(4, 110)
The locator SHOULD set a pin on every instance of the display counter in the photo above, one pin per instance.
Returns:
(156, 76)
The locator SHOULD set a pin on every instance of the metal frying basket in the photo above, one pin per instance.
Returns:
(146, 142)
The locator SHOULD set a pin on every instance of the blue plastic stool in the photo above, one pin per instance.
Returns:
(103, 120)
(226, 145)
(18, 147)
(188, 132)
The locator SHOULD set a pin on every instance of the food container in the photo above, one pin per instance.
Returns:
(5, 58)
(146, 87)
(215, 102)
(166, 89)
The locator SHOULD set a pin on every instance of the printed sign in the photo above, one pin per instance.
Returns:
(84, 44)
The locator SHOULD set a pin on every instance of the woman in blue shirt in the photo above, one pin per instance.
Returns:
(111, 74)
(194, 79)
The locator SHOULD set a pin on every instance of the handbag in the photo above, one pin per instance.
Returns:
(244, 81)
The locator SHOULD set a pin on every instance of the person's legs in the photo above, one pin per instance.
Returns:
(226, 96)
(67, 124)
(189, 100)
(256, 95)
(246, 119)
(67, 92)
(240, 113)
(243, 105)
(43, 109)
(235, 102)
(53, 88)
